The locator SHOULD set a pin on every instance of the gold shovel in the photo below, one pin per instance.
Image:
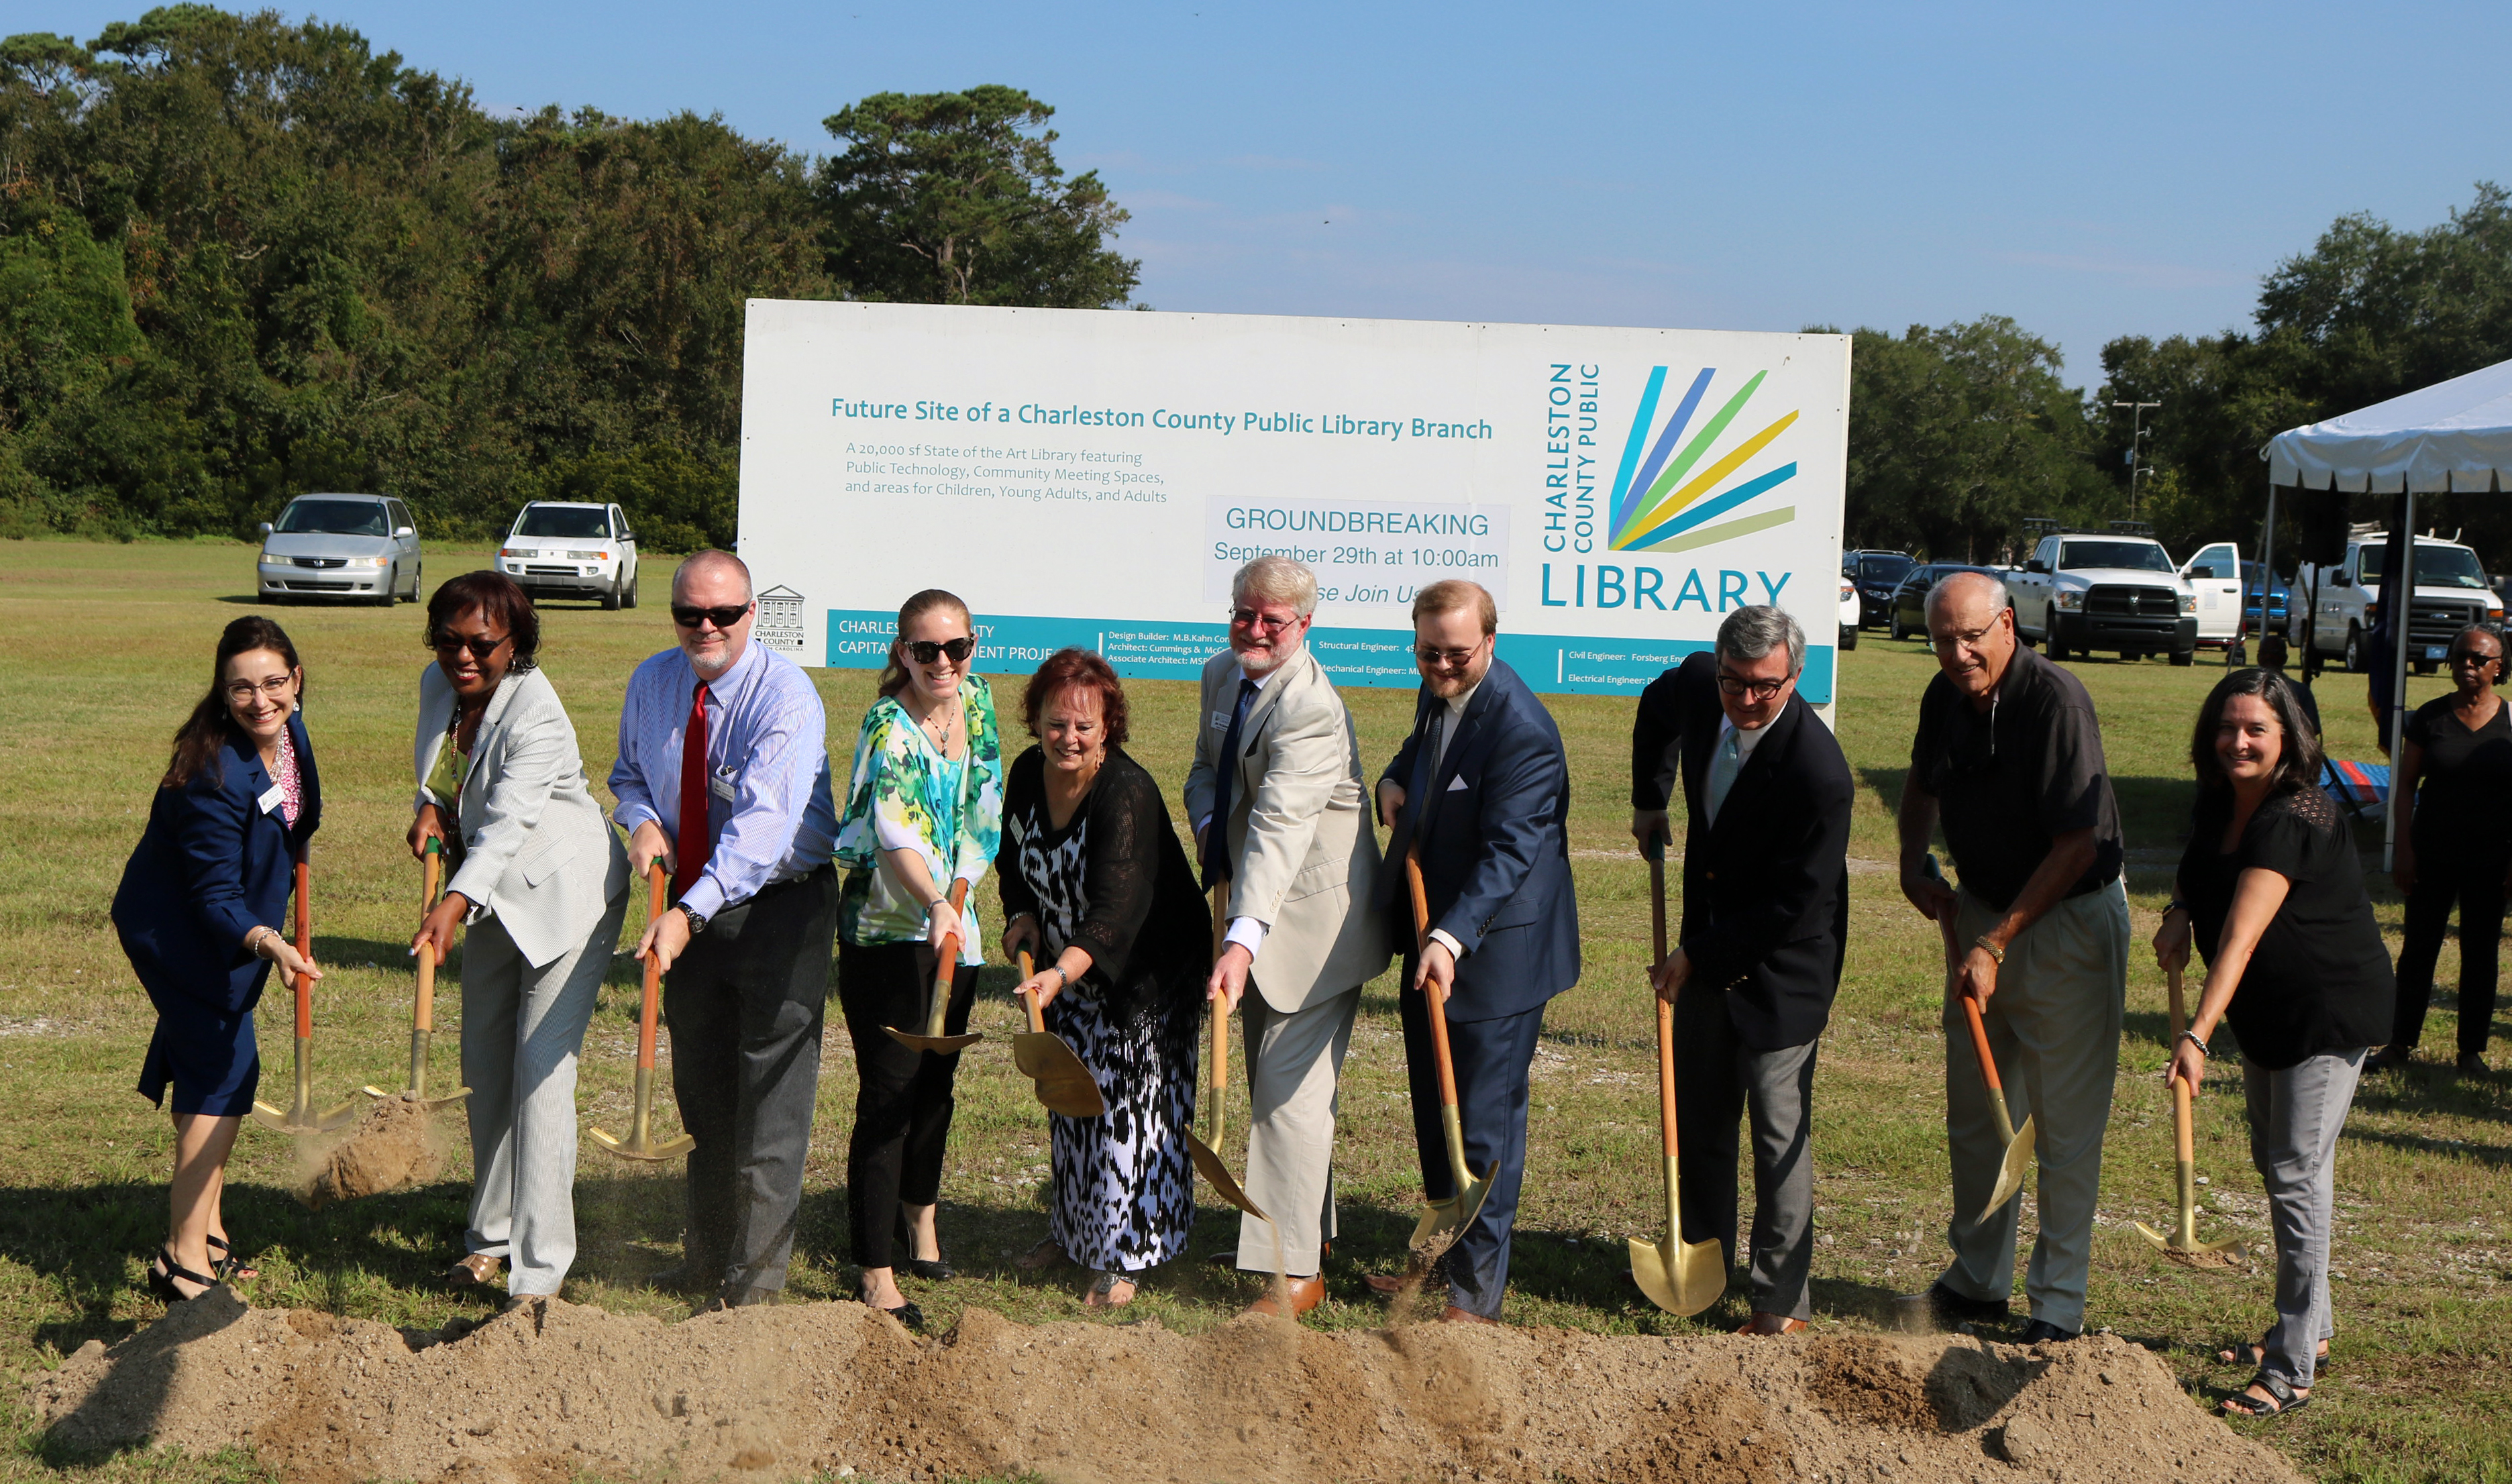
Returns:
(301, 1116)
(2184, 1235)
(1679, 1277)
(1064, 1085)
(640, 1143)
(1203, 1147)
(946, 965)
(422, 1021)
(1442, 1220)
(2017, 1142)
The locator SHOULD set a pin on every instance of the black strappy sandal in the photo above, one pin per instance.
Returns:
(2283, 1399)
(229, 1267)
(161, 1280)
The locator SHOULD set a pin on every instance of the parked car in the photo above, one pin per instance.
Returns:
(1848, 614)
(1876, 573)
(2452, 593)
(1907, 618)
(363, 547)
(561, 548)
(2082, 591)
(2275, 620)
(2213, 578)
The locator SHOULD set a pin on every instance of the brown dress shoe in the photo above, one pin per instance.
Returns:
(1452, 1315)
(1303, 1293)
(1753, 1326)
(478, 1271)
(1389, 1284)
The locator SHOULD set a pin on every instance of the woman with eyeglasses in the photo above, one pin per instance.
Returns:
(200, 912)
(923, 812)
(2457, 765)
(539, 881)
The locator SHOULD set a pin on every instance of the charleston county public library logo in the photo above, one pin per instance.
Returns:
(1664, 505)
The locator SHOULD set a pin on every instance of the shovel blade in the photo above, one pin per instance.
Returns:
(939, 1046)
(1208, 1165)
(1679, 1277)
(669, 1149)
(1442, 1221)
(2010, 1173)
(1064, 1085)
(2154, 1236)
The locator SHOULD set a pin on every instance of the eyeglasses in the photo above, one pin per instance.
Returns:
(481, 648)
(925, 651)
(1968, 639)
(241, 692)
(722, 618)
(1454, 659)
(1250, 618)
(1760, 691)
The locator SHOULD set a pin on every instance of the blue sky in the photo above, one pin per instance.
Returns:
(2092, 171)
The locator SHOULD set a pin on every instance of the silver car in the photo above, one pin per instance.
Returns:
(357, 546)
(564, 548)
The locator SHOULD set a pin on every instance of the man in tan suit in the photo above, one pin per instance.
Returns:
(1281, 813)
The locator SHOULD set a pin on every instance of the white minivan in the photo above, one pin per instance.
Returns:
(564, 549)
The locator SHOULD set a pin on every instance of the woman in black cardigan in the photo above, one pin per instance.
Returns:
(1091, 874)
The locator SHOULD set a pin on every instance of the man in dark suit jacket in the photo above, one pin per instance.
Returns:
(1483, 786)
(1765, 916)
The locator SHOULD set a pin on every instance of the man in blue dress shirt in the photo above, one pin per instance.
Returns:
(723, 776)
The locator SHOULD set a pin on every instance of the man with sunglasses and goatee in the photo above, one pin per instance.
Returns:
(1756, 962)
(723, 777)
(1282, 822)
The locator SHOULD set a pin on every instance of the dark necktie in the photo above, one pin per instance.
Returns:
(695, 845)
(1225, 767)
(1425, 769)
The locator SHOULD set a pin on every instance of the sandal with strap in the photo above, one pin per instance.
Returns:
(231, 1267)
(1102, 1293)
(2282, 1398)
(2254, 1354)
(1046, 1254)
(162, 1280)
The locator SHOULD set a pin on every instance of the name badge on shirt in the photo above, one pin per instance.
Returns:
(722, 783)
(1221, 721)
(271, 797)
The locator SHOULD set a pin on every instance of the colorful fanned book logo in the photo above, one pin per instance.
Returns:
(1666, 504)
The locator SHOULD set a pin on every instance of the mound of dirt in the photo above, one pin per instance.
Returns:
(396, 1144)
(552, 1390)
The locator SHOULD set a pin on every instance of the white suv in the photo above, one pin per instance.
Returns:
(562, 549)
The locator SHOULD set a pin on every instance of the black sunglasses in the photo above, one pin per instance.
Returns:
(722, 618)
(481, 649)
(925, 651)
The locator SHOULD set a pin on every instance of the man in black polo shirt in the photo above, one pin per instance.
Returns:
(2009, 757)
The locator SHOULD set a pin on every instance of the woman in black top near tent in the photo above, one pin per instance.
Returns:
(2271, 891)
(2457, 763)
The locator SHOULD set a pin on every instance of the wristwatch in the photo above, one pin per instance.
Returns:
(697, 919)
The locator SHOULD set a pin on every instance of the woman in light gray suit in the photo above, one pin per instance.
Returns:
(541, 880)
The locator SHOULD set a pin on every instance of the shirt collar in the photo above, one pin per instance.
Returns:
(1458, 703)
(732, 681)
(1746, 741)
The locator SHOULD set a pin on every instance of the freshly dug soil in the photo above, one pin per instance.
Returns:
(552, 1390)
(394, 1145)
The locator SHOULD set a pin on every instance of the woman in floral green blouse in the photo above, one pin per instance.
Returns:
(924, 810)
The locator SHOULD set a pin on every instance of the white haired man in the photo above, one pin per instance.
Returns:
(1280, 814)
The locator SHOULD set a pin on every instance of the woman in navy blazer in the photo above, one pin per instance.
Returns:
(197, 914)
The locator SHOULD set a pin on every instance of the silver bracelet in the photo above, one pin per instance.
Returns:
(2191, 1036)
(253, 940)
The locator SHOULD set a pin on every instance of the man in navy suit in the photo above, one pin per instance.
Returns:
(1483, 787)
(1765, 916)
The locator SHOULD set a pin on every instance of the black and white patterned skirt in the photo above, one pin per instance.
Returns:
(1124, 1182)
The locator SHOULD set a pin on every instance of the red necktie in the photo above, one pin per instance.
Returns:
(695, 845)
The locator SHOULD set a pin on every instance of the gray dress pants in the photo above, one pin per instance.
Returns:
(522, 1027)
(2295, 1116)
(1294, 1066)
(1717, 1079)
(2054, 1027)
(746, 1003)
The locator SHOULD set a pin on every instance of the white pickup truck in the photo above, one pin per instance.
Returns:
(2084, 591)
(2452, 593)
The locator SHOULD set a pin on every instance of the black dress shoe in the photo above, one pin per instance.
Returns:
(2390, 1058)
(1943, 1308)
(908, 1314)
(688, 1278)
(2043, 1331)
(937, 1271)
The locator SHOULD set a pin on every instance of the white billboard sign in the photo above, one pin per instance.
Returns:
(1093, 477)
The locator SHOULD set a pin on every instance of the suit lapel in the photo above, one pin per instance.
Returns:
(1756, 775)
(1260, 713)
(436, 715)
(493, 723)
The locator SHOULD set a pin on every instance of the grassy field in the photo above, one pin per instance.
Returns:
(113, 647)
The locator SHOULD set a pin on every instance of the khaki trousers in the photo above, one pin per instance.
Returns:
(1294, 1063)
(2054, 1029)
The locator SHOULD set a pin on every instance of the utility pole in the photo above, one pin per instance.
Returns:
(2136, 444)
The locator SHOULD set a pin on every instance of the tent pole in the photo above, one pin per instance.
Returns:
(2267, 569)
(2403, 602)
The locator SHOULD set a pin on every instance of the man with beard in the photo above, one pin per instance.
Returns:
(1481, 792)
(1279, 813)
(2009, 755)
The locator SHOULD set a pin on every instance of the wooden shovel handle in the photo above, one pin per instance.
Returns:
(946, 957)
(304, 946)
(1220, 1019)
(1664, 1012)
(424, 1015)
(2179, 1012)
(1431, 992)
(658, 887)
(1980, 1045)
(1037, 1020)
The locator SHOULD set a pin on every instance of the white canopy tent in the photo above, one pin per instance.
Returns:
(2455, 437)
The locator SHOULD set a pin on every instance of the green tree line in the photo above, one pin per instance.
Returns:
(241, 259)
